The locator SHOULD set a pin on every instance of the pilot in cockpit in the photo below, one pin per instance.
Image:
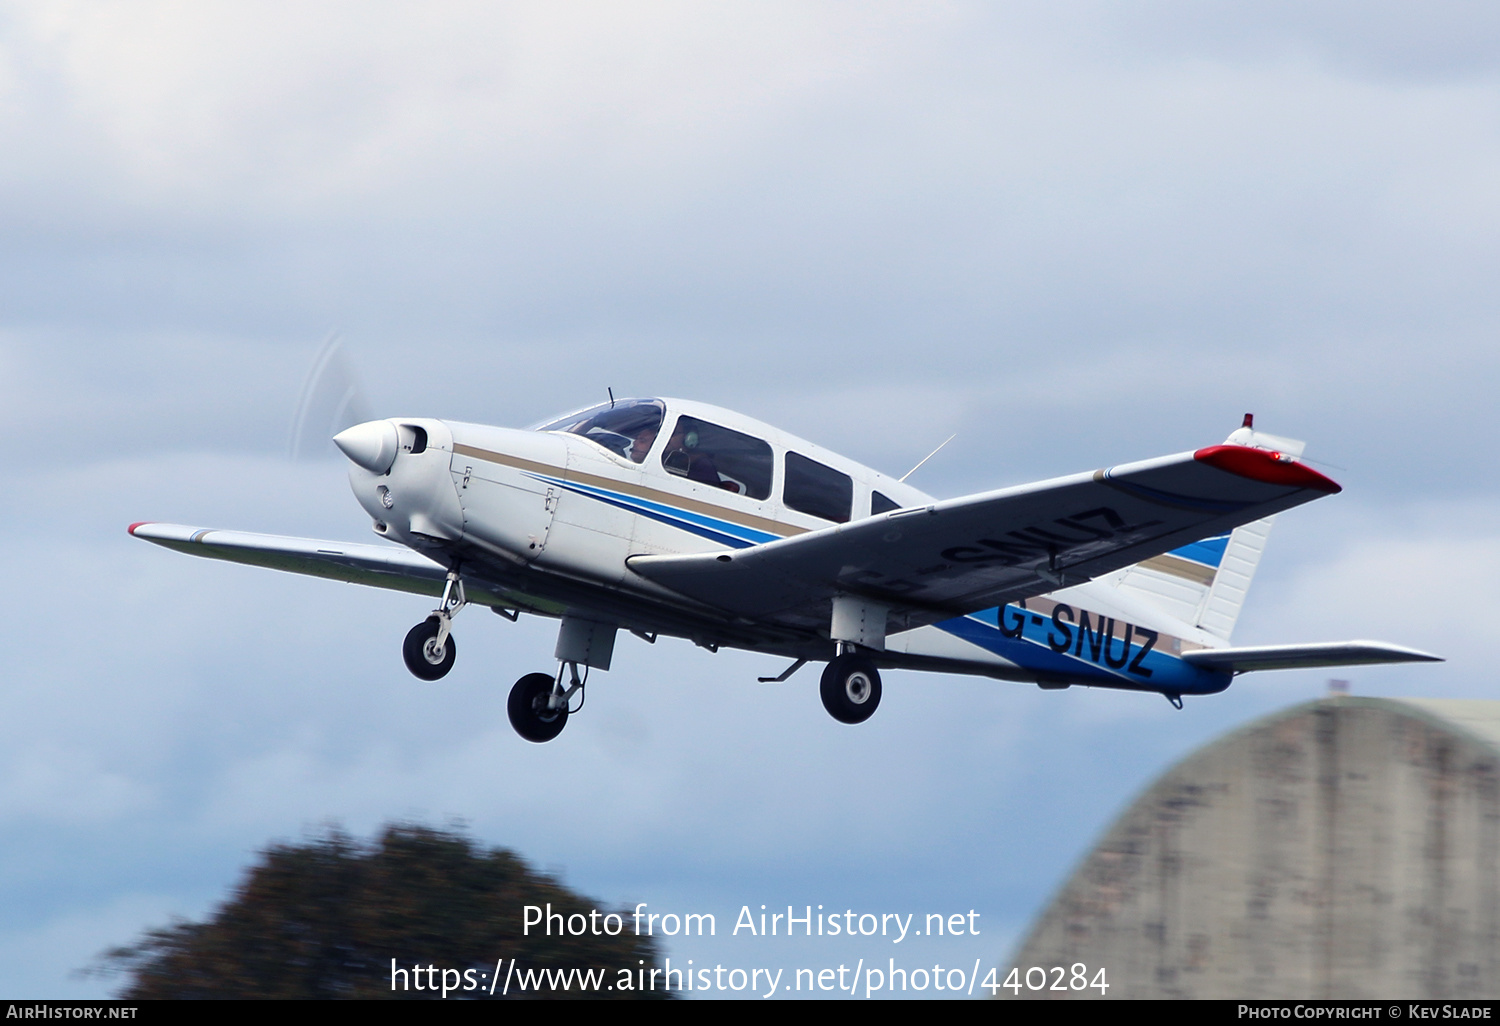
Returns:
(643, 441)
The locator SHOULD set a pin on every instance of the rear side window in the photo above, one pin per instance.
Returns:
(881, 504)
(717, 456)
(818, 490)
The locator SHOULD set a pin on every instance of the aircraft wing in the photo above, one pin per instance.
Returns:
(1290, 657)
(932, 562)
(382, 566)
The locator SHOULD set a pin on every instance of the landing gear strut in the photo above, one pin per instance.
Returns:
(538, 703)
(850, 688)
(429, 650)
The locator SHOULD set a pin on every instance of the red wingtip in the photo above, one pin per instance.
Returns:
(1262, 465)
(138, 523)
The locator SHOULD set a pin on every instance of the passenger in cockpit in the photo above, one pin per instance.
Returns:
(684, 458)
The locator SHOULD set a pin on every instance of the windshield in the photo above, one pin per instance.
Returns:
(626, 427)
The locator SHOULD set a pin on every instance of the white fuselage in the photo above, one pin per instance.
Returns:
(549, 519)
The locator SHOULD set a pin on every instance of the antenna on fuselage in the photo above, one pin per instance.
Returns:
(611, 392)
(929, 456)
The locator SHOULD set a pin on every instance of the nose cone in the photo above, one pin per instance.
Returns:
(372, 444)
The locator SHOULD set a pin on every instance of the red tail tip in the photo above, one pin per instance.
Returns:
(1249, 420)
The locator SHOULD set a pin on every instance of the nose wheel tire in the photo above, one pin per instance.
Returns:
(527, 708)
(423, 657)
(851, 688)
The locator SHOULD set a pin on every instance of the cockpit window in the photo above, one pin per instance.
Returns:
(626, 427)
(717, 456)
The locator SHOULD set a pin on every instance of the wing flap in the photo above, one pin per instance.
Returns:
(971, 553)
(1291, 657)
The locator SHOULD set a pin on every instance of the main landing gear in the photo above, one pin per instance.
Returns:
(429, 650)
(538, 703)
(850, 688)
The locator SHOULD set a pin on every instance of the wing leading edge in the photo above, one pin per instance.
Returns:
(379, 566)
(976, 552)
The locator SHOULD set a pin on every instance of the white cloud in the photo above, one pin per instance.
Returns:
(1074, 237)
(1427, 575)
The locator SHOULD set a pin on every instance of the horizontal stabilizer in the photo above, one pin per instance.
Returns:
(1292, 657)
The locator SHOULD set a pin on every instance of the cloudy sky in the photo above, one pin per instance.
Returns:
(1073, 233)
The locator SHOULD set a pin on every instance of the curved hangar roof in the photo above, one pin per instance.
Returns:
(1345, 848)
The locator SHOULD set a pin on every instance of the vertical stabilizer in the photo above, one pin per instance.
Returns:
(1205, 583)
(1226, 594)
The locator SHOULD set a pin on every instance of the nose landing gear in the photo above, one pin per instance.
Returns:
(429, 650)
(427, 656)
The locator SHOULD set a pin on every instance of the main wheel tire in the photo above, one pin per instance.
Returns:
(851, 688)
(421, 653)
(527, 708)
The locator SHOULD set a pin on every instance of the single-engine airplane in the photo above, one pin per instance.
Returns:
(669, 517)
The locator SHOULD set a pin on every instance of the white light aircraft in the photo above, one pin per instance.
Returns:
(669, 517)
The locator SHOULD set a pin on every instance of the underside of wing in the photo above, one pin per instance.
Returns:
(380, 566)
(962, 555)
(1291, 657)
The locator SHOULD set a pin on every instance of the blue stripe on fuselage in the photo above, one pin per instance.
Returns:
(1086, 649)
(724, 532)
(1209, 551)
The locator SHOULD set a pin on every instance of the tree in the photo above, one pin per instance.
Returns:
(326, 919)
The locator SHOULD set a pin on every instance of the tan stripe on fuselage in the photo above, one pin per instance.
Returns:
(639, 491)
(1178, 567)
